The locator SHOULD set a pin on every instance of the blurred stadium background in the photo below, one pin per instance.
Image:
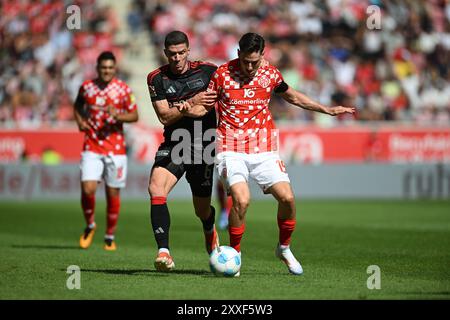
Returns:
(397, 147)
(397, 75)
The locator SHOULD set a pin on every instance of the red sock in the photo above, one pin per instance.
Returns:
(236, 234)
(88, 206)
(158, 200)
(112, 212)
(286, 228)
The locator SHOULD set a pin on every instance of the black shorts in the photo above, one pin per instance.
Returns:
(199, 176)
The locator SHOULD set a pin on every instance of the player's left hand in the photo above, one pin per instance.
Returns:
(112, 112)
(334, 111)
(182, 106)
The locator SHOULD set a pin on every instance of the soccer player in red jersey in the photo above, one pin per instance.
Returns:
(101, 108)
(247, 139)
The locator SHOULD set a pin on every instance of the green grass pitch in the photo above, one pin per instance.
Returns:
(335, 240)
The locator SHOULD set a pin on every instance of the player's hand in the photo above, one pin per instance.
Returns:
(113, 113)
(334, 111)
(182, 106)
(205, 98)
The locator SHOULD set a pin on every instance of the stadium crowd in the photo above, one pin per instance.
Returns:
(326, 49)
(43, 62)
(329, 50)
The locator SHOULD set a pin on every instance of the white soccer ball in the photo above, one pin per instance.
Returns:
(225, 261)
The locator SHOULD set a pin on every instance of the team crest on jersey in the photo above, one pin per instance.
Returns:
(264, 81)
(90, 91)
(113, 94)
(99, 101)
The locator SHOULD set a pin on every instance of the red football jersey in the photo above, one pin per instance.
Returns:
(245, 122)
(106, 134)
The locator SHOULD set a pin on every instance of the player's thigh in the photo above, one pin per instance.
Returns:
(161, 182)
(116, 170)
(267, 170)
(232, 169)
(91, 167)
(89, 187)
(165, 173)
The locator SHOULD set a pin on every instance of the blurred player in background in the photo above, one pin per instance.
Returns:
(246, 139)
(101, 108)
(181, 81)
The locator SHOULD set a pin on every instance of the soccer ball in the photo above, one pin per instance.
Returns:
(225, 261)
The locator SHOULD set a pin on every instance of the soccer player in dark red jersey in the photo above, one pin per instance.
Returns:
(101, 108)
(247, 139)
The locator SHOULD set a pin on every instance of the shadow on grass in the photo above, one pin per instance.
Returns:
(439, 293)
(53, 247)
(132, 272)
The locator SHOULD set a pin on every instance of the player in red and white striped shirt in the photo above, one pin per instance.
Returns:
(247, 139)
(101, 108)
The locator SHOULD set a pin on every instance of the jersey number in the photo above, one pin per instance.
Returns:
(281, 165)
(208, 172)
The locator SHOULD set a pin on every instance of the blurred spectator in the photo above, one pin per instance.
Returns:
(398, 72)
(50, 157)
(42, 63)
(325, 49)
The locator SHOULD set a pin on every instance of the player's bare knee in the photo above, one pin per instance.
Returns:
(287, 199)
(89, 190)
(156, 190)
(241, 204)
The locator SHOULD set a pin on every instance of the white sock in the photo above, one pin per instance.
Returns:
(109, 237)
(283, 247)
(92, 225)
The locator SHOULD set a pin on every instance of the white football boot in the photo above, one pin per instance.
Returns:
(285, 254)
(238, 274)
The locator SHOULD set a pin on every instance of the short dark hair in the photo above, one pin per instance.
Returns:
(251, 42)
(174, 38)
(106, 55)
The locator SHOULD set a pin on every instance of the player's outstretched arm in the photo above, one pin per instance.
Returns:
(299, 99)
